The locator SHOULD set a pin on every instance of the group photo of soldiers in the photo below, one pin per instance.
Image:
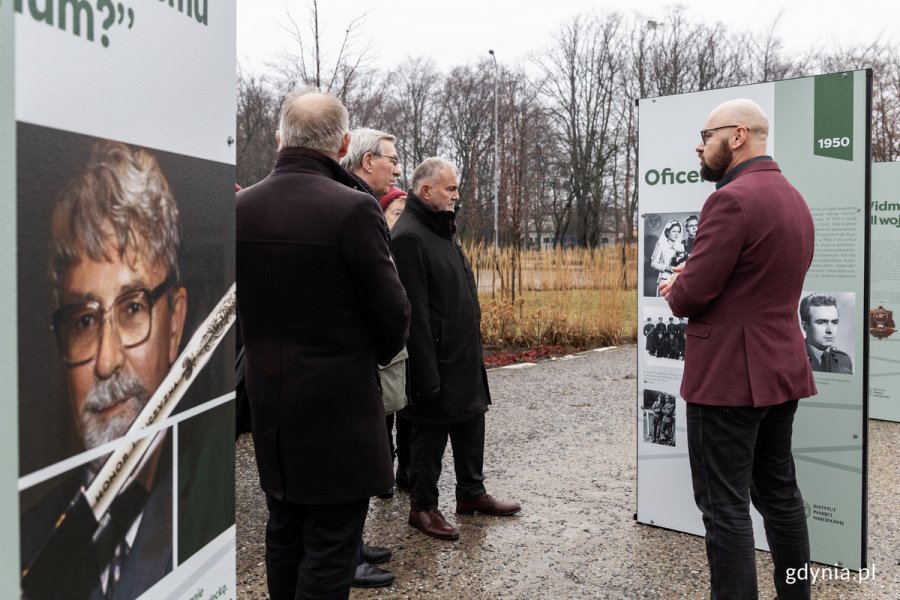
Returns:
(659, 417)
(664, 337)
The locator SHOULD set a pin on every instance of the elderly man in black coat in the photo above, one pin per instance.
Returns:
(448, 385)
(320, 305)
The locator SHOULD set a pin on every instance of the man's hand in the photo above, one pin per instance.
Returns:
(666, 285)
(428, 398)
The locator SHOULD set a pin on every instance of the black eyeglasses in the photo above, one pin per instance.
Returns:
(395, 160)
(706, 134)
(79, 327)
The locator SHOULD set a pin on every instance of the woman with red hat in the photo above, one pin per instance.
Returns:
(393, 204)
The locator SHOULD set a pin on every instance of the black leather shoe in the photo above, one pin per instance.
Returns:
(367, 576)
(386, 494)
(375, 555)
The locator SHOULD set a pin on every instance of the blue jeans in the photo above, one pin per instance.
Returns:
(739, 453)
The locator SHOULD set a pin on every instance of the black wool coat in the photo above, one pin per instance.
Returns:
(448, 383)
(320, 305)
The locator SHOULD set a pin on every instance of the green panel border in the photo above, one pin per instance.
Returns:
(9, 454)
(833, 121)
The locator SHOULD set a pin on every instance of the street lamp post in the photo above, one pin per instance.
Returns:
(496, 158)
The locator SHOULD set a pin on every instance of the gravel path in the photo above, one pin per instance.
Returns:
(561, 440)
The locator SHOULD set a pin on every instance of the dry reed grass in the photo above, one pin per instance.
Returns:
(567, 297)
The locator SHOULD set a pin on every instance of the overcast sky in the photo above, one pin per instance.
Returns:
(460, 32)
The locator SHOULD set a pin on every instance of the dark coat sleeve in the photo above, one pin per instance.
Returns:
(410, 257)
(386, 308)
(716, 250)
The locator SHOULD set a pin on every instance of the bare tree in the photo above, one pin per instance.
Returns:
(370, 101)
(420, 110)
(468, 94)
(580, 85)
(523, 132)
(766, 54)
(310, 65)
(257, 120)
(568, 135)
(886, 107)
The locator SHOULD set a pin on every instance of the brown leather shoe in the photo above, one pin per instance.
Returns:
(487, 505)
(432, 522)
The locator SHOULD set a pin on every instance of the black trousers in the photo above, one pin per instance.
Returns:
(404, 433)
(311, 548)
(427, 452)
(739, 454)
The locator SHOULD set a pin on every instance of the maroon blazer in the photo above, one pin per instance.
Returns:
(740, 290)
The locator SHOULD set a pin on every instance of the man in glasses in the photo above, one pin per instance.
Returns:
(118, 326)
(690, 233)
(372, 157)
(745, 367)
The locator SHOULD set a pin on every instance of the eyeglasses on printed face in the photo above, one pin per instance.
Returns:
(79, 327)
(706, 134)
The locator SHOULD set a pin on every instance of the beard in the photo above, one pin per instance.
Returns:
(97, 429)
(722, 158)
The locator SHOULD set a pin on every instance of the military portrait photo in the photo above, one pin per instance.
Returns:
(827, 322)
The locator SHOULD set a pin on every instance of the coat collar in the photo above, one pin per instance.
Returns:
(759, 163)
(304, 160)
(443, 223)
(361, 184)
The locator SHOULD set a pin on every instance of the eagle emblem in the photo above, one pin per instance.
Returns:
(881, 322)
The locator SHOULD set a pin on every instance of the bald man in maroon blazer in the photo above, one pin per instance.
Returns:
(745, 357)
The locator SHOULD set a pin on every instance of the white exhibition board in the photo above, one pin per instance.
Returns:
(830, 169)
(88, 83)
(884, 341)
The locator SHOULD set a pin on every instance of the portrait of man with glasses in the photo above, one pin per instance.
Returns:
(119, 316)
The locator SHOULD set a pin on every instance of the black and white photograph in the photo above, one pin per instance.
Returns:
(662, 338)
(668, 240)
(658, 419)
(828, 326)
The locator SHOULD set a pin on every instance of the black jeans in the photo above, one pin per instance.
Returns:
(311, 549)
(737, 454)
(427, 452)
(404, 432)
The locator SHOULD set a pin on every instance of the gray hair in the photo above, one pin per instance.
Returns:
(429, 170)
(364, 140)
(314, 120)
(121, 196)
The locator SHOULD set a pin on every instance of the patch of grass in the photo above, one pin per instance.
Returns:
(573, 297)
(578, 318)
